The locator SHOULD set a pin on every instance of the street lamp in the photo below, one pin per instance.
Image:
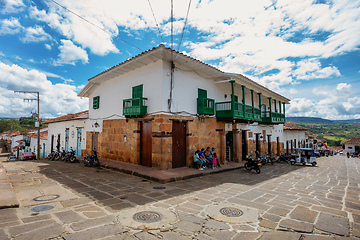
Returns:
(37, 124)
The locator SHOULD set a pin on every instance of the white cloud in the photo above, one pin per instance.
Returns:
(311, 69)
(70, 54)
(35, 34)
(54, 98)
(340, 102)
(11, 6)
(10, 26)
(2, 54)
(48, 46)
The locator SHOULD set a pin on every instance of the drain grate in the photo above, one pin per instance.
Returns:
(147, 217)
(159, 187)
(42, 208)
(231, 212)
(47, 197)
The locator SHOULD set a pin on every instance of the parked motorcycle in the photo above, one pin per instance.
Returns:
(91, 160)
(270, 159)
(71, 156)
(252, 164)
(284, 158)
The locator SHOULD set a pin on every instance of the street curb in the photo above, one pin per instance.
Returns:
(7, 197)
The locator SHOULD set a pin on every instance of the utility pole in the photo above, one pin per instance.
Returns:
(37, 124)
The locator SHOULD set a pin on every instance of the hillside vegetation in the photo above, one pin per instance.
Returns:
(21, 124)
(332, 131)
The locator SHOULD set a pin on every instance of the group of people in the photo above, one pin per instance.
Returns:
(205, 158)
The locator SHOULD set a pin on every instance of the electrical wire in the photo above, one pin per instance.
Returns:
(182, 34)
(157, 25)
(93, 24)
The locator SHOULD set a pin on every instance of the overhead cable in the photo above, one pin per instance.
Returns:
(93, 24)
(157, 25)
(182, 34)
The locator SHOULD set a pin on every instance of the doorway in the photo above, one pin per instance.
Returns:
(78, 143)
(52, 144)
(244, 144)
(230, 145)
(179, 144)
(257, 146)
(269, 144)
(278, 145)
(58, 143)
(145, 144)
(66, 139)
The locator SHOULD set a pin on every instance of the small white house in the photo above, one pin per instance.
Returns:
(67, 132)
(43, 141)
(295, 136)
(351, 145)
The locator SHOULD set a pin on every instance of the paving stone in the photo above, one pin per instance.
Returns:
(87, 208)
(356, 230)
(68, 217)
(75, 202)
(45, 233)
(118, 207)
(188, 226)
(92, 222)
(296, 225)
(137, 198)
(315, 237)
(36, 218)
(8, 215)
(250, 195)
(109, 202)
(303, 214)
(216, 225)
(247, 236)
(356, 217)
(278, 211)
(267, 224)
(9, 224)
(333, 224)
(94, 214)
(279, 235)
(352, 205)
(191, 218)
(219, 234)
(173, 236)
(17, 230)
(329, 210)
(95, 233)
(3, 235)
(145, 236)
(272, 217)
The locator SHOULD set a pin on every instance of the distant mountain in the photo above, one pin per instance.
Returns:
(309, 120)
(349, 121)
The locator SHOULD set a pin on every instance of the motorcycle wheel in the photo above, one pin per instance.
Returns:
(313, 164)
(73, 159)
(95, 163)
(292, 163)
(247, 167)
(272, 162)
(258, 171)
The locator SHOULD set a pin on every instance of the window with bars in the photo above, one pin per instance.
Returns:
(96, 102)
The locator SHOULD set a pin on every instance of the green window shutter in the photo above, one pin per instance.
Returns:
(202, 93)
(96, 102)
(236, 98)
(137, 91)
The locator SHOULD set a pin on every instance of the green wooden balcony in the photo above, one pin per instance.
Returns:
(205, 106)
(272, 117)
(241, 111)
(134, 107)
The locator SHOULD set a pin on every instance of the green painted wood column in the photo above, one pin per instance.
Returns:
(260, 104)
(243, 97)
(275, 105)
(232, 97)
(252, 103)
(284, 108)
(270, 109)
(279, 106)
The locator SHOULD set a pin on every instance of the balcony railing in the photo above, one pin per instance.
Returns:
(206, 106)
(224, 110)
(273, 117)
(134, 107)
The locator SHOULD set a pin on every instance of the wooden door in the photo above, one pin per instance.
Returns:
(179, 144)
(230, 145)
(145, 144)
(52, 144)
(78, 143)
(244, 144)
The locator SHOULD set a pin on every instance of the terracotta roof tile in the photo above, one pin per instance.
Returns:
(43, 135)
(67, 117)
(355, 141)
(292, 126)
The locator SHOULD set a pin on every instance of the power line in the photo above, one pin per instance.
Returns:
(93, 24)
(182, 34)
(157, 25)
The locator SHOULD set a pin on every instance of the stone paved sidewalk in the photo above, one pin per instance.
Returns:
(283, 202)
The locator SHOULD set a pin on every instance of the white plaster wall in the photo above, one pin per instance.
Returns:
(114, 91)
(291, 135)
(351, 149)
(60, 127)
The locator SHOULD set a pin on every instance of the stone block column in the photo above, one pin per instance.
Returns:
(222, 147)
(236, 145)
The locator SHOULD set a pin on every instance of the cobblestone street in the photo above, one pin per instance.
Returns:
(69, 201)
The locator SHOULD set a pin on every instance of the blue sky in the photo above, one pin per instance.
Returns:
(307, 51)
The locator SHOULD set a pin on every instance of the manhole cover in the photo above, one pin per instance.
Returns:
(231, 212)
(42, 208)
(47, 197)
(159, 187)
(147, 217)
